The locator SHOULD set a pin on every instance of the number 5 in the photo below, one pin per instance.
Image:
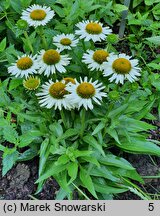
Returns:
(151, 206)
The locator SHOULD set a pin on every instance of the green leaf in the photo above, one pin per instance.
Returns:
(103, 172)
(16, 5)
(154, 65)
(63, 159)
(105, 189)
(44, 153)
(3, 45)
(61, 178)
(61, 194)
(140, 146)
(58, 10)
(25, 3)
(51, 170)
(87, 182)
(117, 111)
(72, 171)
(27, 155)
(132, 174)
(99, 127)
(78, 153)
(136, 3)
(112, 160)
(3, 122)
(9, 159)
(2, 148)
(119, 7)
(25, 140)
(150, 2)
(56, 128)
(14, 83)
(134, 125)
(10, 134)
(91, 159)
(33, 118)
(155, 40)
(69, 133)
(113, 133)
(93, 142)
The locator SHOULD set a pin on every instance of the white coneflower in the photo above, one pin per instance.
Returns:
(65, 41)
(53, 94)
(95, 59)
(92, 30)
(51, 60)
(37, 15)
(121, 67)
(25, 65)
(85, 93)
(31, 83)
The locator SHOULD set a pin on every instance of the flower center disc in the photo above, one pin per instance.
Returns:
(24, 63)
(65, 41)
(69, 79)
(93, 28)
(31, 83)
(121, 66)
(38, 14)
(57, 90)
(100, 56)
(86, 90)
(51, 57)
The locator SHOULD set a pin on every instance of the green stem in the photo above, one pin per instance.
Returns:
(83, 118)
(150, 177)
(135, 186)
(63, 118)
(32, 197)
(108, 47)
(149, 70)
(154, 163)
(80, 191)
(41, 34)
(28, 41)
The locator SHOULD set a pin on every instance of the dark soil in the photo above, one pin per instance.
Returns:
(18, 183)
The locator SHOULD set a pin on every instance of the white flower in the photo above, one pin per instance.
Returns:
(37, 15)
(121, 67)
(85, 93)
(92, 30)
(53, 94)
(51, 60)
(25, 65)
(65, 41)
(95, 59)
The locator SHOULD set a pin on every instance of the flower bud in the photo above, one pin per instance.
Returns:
(22, 24)
(114, 95)
(134, 86)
